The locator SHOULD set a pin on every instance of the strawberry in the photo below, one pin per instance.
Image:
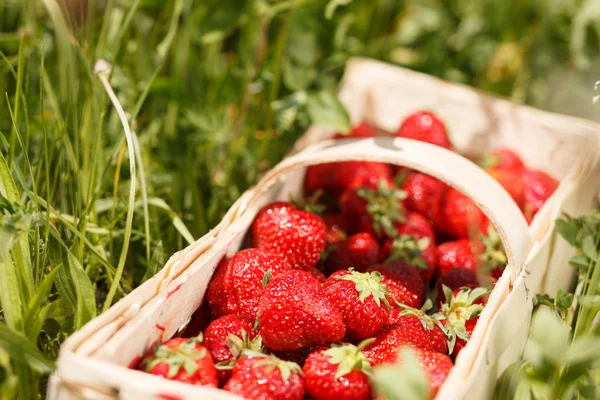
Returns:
(419, 319)
(265, 377)
(358, 251)
(437, 366)
(373, 206)
(511, 181)
(502, 159)
(415, 245)
(403, 282)
(338, 373)
(487, 255)
(455, 279)
(199, 321)
(183, 360)
(424, 194)
(336, 228)
(385, 348)
(297, 235)
(362, 130)
(295, 312)
(238, 282)
(362, 299)
(538, 187)
(317, 274)
(334, 178)
(426, 127)
(458, 308)
(226, 337)
(459, 216)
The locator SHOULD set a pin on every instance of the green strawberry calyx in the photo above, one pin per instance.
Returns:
(185, 356)
(349, 357)
(457, 310)
(425, 319)
(311, 204)
(490, 160)
(237, 344)
(269, 362)
(368, 284)
(384, 207)
(493, 255)
(409, 249)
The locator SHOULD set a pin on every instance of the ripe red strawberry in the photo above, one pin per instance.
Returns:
(199, 322)
(487, 254)
(415, 245)
(459, 216)
(456, 312)
(426, 127)
(338, 373)
(511, 181)
(456, 278)
(361, 297)
(226, 338)
(425, 194)
(403, 282)
(358, 251)
(502, 159)
(424, 323)
(362, 130)
(385, 348)
(297, 235)
(373, 206)
(334, 178)
(336, 228)
(266, 377)
(295, 312)
(317, 274)
(183, 360)
(437, 366)
(538, 187)
(238, 282)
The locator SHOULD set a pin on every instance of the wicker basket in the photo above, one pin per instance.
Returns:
(93, 363)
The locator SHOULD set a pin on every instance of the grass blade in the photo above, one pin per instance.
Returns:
(23, 351)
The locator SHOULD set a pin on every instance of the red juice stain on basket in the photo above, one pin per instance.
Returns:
(172, 292)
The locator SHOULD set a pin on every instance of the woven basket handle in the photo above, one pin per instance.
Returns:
(450, 167)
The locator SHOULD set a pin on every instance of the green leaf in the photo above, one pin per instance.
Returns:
(327, 111)
(588, 247)
(10, 297)
(23, 351)
(568, 229)
(580, 261)
(405, 380)
(543, 348)
(332, 5)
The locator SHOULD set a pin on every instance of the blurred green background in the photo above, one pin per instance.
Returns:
(216, 92)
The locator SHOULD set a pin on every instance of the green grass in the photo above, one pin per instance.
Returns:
(215, 93)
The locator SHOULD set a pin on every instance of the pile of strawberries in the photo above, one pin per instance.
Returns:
(378, 258)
